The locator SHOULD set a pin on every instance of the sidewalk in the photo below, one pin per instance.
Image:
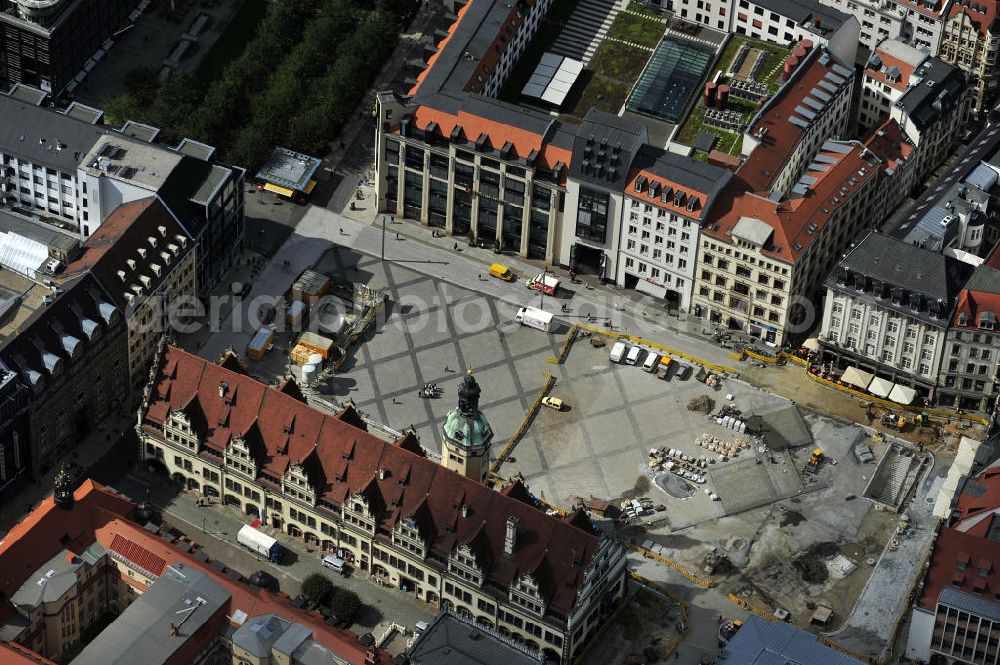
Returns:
(218, 539)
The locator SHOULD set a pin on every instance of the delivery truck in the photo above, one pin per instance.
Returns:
(535, 318)
(544, 282)
(259, 543)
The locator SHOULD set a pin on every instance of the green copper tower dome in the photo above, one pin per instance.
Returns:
(466, 425)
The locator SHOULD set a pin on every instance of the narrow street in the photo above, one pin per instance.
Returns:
(214, 528)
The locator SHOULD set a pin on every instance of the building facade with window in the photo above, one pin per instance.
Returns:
(763, 258)
(473, 175)
(145, 261)
(667, 199)
(969, 371)
(887, 308)
(71, 171)
(451, 156)
(88, 584)
(389, 510)
(956, 615)
(784, 22)
(970, 39)
(46, 44)
(603, 152)
(71, 355)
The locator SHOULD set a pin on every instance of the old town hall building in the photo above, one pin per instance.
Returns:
(547, 581)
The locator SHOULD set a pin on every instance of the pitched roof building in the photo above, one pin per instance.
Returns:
(957, 611)
(495, 555)
(970, 372)
(172, 607)
(887, 309)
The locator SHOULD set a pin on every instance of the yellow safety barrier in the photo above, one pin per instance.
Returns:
(512, 441)
(745, 604)
(676, 642)
(656, 345)
(567, 343)
(894, 405)
(760, 357)
(735, 356)
(796, 359)
(700, 581)
(873, 660)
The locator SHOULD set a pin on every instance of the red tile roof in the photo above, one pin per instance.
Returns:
(765, 162)
(48, 529)
(984, 21)
(138, 555)
(964, 547)
(343, 460)
(890, 144)
(440, 47)
(98, 515)
(952, 551)
(905, 71)
(660, 181)
(254, 602)
(12, 653)
(793, 218)
(500, 134)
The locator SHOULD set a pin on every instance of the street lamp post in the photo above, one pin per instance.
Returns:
(383, 237)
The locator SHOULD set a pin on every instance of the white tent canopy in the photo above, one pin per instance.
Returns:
(812, 344)
(880, 387)
(902, 394)
(858, 378)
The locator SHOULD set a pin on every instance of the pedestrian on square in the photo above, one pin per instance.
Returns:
(446, 369)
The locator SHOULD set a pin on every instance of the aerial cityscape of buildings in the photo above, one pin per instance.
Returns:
(603, 331)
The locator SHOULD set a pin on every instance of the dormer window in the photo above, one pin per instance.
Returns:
(987, 320)
(963, 319)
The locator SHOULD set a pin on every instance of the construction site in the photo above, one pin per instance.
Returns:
(786, 511)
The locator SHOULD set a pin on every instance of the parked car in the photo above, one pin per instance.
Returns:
(553, 403)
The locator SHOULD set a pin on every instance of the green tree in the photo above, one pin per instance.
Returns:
(141, 83)
(345, 605)
(317, 589)
(120, 108)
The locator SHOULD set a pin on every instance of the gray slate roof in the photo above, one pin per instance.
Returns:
(615, 134)
(141, 634)
(936, 95)
(455, 640)
(25, 124)
(760, 642)
(879, 257)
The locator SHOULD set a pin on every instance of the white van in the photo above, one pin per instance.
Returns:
(420, 626)
(633, 355)
(652, 360)
(618, 351)
(334, 563)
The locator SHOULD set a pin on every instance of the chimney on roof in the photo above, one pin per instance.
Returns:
(465, 510)
(223, 387)
(510, 537)
(381, 473)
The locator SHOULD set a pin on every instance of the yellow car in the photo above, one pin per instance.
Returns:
(553, 403)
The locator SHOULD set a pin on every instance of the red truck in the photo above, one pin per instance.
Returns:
(547, 284)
